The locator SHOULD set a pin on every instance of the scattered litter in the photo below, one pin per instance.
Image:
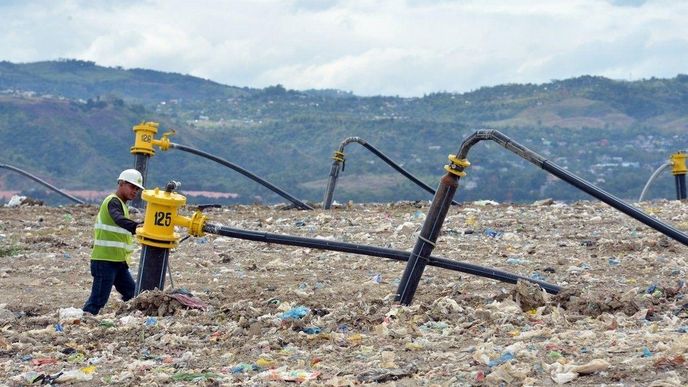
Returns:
(492, 233)
(275, 314)
(295, 313)
(16, 201)
(283, 374)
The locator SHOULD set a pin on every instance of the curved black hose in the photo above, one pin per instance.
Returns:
(334, 172)
(45, 183)
(244, 172)
(373, 251)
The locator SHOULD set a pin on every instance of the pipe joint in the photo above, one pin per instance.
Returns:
(195, 223)
(457, 165)
(164, 142)
(338, 156)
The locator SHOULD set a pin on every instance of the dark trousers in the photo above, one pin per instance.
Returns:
(105, 275)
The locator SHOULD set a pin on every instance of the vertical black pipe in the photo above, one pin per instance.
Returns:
(680, 186)
(426, 240)
(152, 268)
(331, 184)
(141, 165)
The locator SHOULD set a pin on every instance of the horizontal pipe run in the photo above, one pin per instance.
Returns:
(375, 252)
(244, 172)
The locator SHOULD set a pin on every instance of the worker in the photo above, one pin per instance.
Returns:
(113, 244)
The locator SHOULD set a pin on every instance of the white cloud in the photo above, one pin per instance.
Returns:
(369, 47)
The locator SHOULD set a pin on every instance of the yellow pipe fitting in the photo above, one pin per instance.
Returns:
(456, 166)
(164, 142)
(160, 218)
(678, 162)
(145, 135)
(195, 223)
(338, 156)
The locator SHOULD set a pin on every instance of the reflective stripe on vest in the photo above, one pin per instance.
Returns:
(110, 241)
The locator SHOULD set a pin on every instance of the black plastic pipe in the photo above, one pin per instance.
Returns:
(337, 164)
(435, 218)
(680, 186)
(372, 251)
(45, 183)
(152, 268)
(141, 165)
(281, 192)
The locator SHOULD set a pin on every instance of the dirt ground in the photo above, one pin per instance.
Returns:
(269, 314)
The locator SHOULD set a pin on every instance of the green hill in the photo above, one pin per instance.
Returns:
(71, 121)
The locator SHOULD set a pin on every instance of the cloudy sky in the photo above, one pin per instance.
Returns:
(369, 47)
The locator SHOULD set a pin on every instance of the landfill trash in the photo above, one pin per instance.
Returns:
(505, 357)
(311, 330)
(244, 367)
(79, 375)
(15, 201)
(492, 233)
(70, 315)
(485, 203)
(516, 261)
(283, 374)
(377, 278)
(386, 375)
(610, 325)
(295, 313)
(195, 376)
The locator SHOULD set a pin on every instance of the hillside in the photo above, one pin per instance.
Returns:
(613, 133)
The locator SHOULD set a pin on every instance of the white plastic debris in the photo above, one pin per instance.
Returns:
(16, 201)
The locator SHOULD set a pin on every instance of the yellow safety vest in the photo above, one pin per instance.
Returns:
(110, 241)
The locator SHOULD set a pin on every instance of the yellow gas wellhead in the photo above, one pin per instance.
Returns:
(678, 162)
(145, 139)
(161, 217)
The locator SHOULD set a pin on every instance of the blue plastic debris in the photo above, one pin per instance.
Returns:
(613, 261)
(537, 276)
(295, 313)
(311, 330)
(243, 367)
(492, 233)
(646, 352)
(58, 328)
(150, 321)
(506, 356)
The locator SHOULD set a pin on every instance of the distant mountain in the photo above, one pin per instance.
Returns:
(71, 121)
(76, 79)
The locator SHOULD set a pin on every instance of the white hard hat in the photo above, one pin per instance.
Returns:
(131, 176)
